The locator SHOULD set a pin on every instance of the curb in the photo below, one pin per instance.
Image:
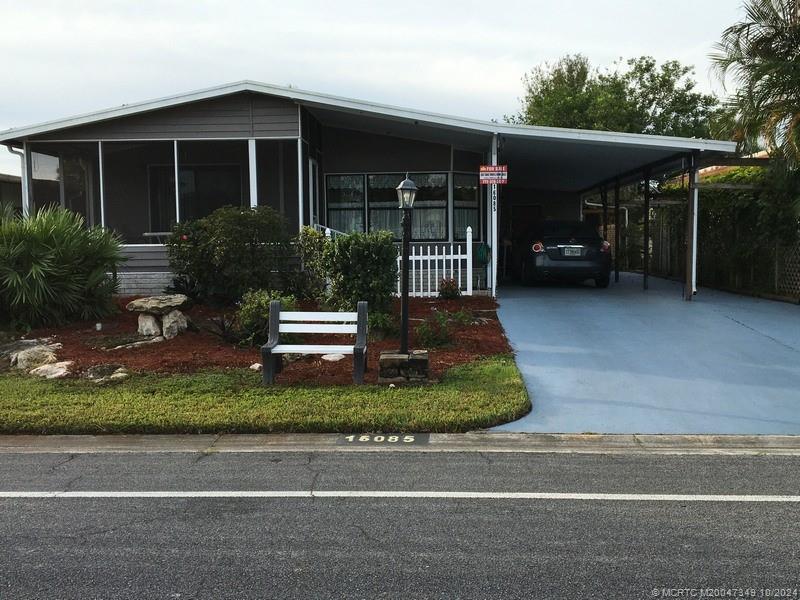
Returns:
(786, 445)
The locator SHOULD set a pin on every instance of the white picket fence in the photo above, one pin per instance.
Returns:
(430, 263)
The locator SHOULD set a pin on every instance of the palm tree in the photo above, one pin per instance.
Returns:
(762, 54)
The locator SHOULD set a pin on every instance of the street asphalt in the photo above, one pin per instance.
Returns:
(392, 547)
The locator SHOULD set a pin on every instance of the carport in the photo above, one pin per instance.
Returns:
(552, 171)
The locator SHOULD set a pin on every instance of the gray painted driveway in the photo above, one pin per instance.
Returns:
(622, 360)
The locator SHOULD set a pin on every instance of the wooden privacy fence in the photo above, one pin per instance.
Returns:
(430, 263)
(769, 270)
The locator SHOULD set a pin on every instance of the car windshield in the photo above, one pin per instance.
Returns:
(568, 229)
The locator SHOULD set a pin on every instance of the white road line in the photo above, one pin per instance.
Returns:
(404, 494)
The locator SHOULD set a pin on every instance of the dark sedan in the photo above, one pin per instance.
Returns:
(564, 250)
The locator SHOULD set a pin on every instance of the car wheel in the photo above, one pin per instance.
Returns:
(602, 282)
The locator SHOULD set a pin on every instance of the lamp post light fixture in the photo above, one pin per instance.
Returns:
(406, 193)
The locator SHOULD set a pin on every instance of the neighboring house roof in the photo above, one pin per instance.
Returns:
(6, 178)
(721, 169)
(316, 99)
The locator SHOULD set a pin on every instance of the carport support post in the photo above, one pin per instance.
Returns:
(495, 248)
(616, 231)
(604, 201)
(690, 285)
(646, 240)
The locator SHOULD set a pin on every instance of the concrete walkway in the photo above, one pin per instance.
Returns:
(626, 361)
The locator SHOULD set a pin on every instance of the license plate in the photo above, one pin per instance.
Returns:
(572, 251)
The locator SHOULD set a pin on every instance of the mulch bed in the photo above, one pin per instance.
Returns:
(200, 350)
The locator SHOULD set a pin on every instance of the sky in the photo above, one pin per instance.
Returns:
(467, 58)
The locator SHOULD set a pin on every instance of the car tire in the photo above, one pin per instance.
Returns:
(602, 282)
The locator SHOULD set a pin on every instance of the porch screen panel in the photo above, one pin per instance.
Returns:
(466, 206)
(429, 217)
(344, 197)
(139, 190)
(45, 178)
(67, 174)
(212, 175)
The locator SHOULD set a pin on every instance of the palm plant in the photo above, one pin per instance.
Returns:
(7, 211)
(762, 54)
(54, 269)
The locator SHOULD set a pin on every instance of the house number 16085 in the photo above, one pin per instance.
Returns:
(378, 439)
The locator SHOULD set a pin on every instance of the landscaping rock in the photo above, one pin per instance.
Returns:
(34, 356)
(105, 374)
(9, 349)
(56, 370)
(155, 340)
(173, 323)
(149, 325)
(333, 357)
(100, 371)
(115, 378)
(255, 367)
(157, 305)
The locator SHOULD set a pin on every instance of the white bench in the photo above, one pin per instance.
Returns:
(354, 323)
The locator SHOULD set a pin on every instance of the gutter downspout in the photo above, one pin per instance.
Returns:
(23, 179)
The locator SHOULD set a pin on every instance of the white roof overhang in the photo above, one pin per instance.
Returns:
(549, 157)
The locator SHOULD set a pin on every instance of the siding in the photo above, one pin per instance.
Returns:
(145, 259)
(240, 115)
(348, 151)
(11, 193)
(466, 161)
(143, 283)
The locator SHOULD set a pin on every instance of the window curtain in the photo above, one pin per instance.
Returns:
(345, 202)
(429, 217)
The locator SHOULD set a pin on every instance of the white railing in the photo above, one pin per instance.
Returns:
(430, 263)
(329, 233)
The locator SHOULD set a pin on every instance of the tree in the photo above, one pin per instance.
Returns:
(635, 96)
(557, 94)
(762, 54)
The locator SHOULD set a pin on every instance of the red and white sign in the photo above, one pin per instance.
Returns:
(494, 174)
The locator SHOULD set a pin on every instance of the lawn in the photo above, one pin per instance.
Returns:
(479, 394)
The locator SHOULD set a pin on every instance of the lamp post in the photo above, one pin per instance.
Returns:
(406, 192)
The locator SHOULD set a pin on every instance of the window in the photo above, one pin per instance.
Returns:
(429, 217)
(345, 202)
(466, 206)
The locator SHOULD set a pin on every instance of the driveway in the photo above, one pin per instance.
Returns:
(622, 360)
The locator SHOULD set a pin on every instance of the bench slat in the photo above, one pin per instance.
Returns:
(318, 328)
(311, 349)
(319, 316)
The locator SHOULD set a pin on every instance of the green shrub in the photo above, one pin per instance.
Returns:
(252, 318)
(382, 325)
(53, 269)
(462, 317)
(448, 289)
(434, 331)
(221, 256)
(362, 266)
(312, 282)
